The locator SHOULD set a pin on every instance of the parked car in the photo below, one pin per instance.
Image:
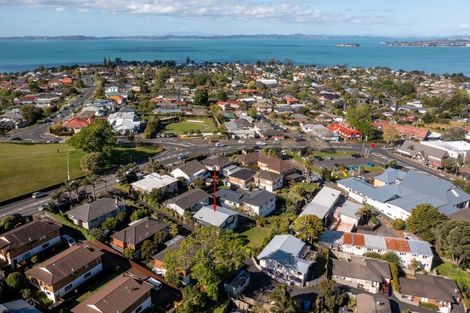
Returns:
(183, 156)
(260, 143)
(318, 158)
(43, 207)
(157, 285)
(70, 241)
(219, 144)
(329, 158)
(356, 155)
(241, 141)
(38, 194)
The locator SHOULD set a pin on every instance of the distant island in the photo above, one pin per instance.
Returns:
(462, 42)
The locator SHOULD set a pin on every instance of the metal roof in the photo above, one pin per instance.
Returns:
(323, 202)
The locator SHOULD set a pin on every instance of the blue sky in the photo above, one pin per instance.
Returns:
(159, 17)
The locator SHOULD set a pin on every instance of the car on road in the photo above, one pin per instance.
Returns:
(16, 138)
(356, 155)
(220, 144)
(260, 143)
(38, 194)
(156, 284)
(70, 241)
(318, 158)
(241, 141)
(329, 158)
(43, 207)
(183, 156)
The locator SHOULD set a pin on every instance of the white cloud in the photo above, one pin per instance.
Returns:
(294, 11)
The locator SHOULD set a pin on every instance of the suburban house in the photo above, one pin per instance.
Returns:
(62, 273)
(367, 303)
(259, 202)
(124, 122)
(91, 215)
(222, 217)
(345, 132)
(367, 274)
(230, 198)
(346, 244)
(275, 165)
(397, 193)
(287, 259)
(190, 201)
(243, 178)
(21, 243)
(191, 171)
(456, 150)
(216, 163)
(76, 124)
(45, 99)
(136, 233)
(122, 294)
(322, 204)
(422, 153)
(437, 290)
(238, 284)
(154, 181)
(319, 131)
(346, 217)
(240, 128)
(159, 263)
(407, 131)
(269, 181)
(18, 306)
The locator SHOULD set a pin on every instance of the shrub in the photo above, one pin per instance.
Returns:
(395, 280)
(399, 224)
(16, 280)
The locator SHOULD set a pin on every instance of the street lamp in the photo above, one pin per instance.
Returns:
(68, 164)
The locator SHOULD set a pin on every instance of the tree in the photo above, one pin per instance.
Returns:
(201, 97)
(173, 229)
(364, 212)
(138, 214)
(453, 134)
(325, 173)
(308, 228)
(159, 238)
(453, 241)
(152, 166)
(97, 137)
(192, 300)
(360, 118)
(92, 162)
(252, 112)
(32, 113)
(330, 298)
(129, 253)
(390, 134)
(16, 280)
(148, 249)
(423, 220)
(9, 222)
(398, 224)
(152, 128)
(282, 301)
(98, 234)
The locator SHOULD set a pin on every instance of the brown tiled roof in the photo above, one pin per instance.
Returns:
(192, 167)
(139, 231)
(189, 198)
(64, 264)
(354, 239)
(275, 164)
(267, 175)
(395, 244)
(248, 158)
(26, 233)
(119, 295)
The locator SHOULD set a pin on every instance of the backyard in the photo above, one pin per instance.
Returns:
(204, 125)
(47, 163)
(256, 236)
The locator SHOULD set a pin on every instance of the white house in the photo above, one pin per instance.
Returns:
(322, 204)
(154, 181)
(191, 171)
(259, 202)
(124, 122)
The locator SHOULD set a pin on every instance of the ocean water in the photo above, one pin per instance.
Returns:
(20, 55)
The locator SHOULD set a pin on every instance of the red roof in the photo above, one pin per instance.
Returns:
(344, 130)
(396, 244)
(354, 239)
(404, 130)
(248, 91)
(78, 123)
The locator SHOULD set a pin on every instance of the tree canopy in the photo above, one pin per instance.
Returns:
(308, 228)
(423, 220)
(97, 137)
(453, 241)
(360, 118)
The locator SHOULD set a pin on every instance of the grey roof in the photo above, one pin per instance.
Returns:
(243, 174)
(259, 197)
(332, 237)
(322, 203)
(420, 247)
(430, 286)
(375, 242)
(390, 175)
(267, 175)
(413, 148)
(169, 247)
(192, 167)
(359, 268)
(286, 250)
(18, 306)
(230, 195)
(216, 160)
(90, 211)
(207, 215)
(366, 189)
(350, 209)
(189, 198)
(368, 303)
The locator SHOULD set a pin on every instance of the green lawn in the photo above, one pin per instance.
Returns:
(324, 154)
(461, 277)
(256, 236)
(28, 167)
(205, 125)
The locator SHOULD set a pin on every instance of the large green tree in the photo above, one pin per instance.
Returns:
(330, 297)
(453, 241)
(32, 113)
(98, 137)
(201, 97)
(210, 254)
(360, 118)
(423, 220)
(282, 301)
(308, 228)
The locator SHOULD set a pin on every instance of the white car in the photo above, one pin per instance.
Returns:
(261, 143)
(38, 194)
(241, 141)
(156, 284)
(219, 144)
(70, 241)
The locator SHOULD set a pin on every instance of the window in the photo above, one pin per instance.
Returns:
(44, 246)
(67, 288)
(27, 255)
(139, 309)
(87, 275)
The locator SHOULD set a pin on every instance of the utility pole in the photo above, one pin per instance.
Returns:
(68, 166)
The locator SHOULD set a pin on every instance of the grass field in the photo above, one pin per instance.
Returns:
(205, 125)
(461, 277)
(28, 167)
(256, 236)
